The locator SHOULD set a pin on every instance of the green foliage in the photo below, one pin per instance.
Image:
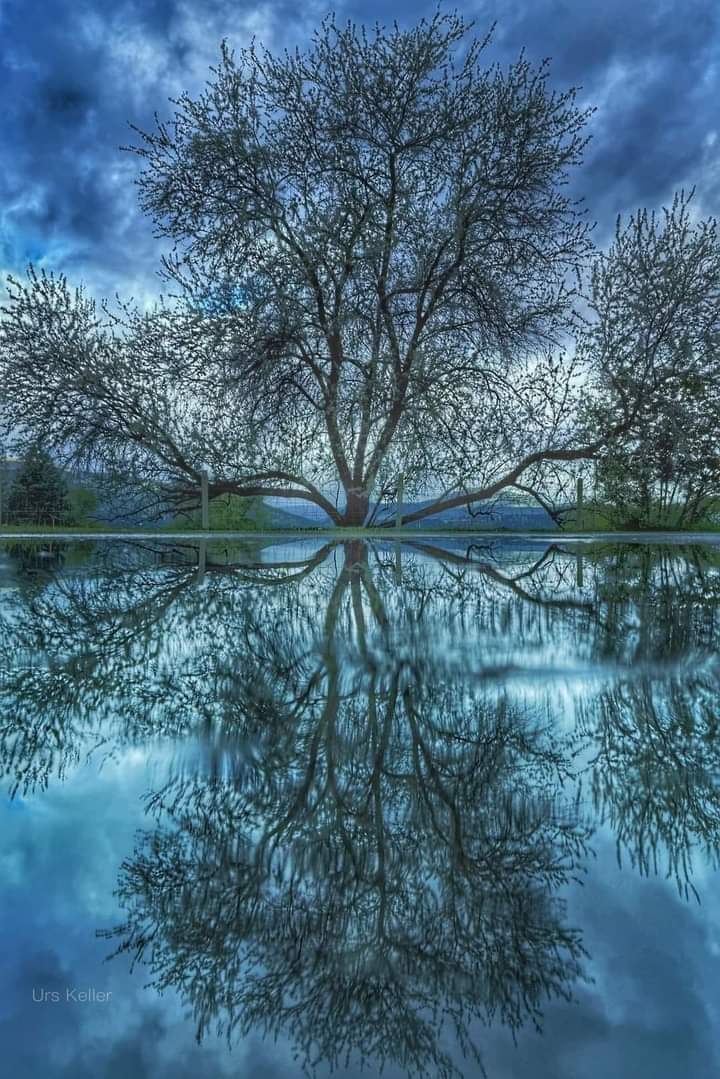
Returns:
(666, 474)
(230, 513)
(39, 494)
(83, 504)
(656, 294)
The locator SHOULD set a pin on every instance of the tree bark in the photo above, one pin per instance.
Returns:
(357, 506)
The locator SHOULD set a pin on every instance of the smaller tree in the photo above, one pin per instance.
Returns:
(83, 504)
(666, 472)
(229, 513)
(39, 494)
(669, 475)
(654, 344)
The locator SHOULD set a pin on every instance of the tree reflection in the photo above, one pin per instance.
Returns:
(654, 734)
(385, 860)
(378, 790)
(655, 780)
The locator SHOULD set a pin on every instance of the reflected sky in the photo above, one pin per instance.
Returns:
(331, 801)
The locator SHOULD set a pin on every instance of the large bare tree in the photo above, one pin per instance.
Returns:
(374, 264)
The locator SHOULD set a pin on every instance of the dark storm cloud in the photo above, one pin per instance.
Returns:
(73, 74)
(651, 69)
(73, 79)
(146, 1045)
(64, 196)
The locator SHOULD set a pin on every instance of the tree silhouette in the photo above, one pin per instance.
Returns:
(39, 494)
(375, 265)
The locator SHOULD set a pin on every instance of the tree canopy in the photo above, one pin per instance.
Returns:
(39, 494)
(378, 270)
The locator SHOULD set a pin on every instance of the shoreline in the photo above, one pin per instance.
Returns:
(387, 534)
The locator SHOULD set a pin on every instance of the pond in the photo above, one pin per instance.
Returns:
(447, 807)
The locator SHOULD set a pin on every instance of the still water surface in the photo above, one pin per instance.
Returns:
(443, 809)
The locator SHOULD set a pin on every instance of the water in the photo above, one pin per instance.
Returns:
(442, 809)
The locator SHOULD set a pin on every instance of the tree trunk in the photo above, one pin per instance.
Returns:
(358, 503)
(356, 554)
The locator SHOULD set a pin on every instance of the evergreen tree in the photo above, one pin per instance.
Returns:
(39, 494)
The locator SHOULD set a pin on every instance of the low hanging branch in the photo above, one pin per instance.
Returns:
(373, 258)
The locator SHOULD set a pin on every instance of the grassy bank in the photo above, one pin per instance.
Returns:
(9, 532)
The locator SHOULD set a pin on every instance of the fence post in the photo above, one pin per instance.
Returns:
(204, 501)
(202, 562)
(3, 465)
(579, 512)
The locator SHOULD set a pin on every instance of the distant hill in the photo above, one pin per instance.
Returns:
(280, 518)
(497, 515)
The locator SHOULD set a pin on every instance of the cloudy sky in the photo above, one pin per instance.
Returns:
(75, 74)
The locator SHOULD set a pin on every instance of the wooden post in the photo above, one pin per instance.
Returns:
(202, 562)
(3, 463)
(204, 501)
(398, 563)
(398, 504)
(579, 569)
(579, 521)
